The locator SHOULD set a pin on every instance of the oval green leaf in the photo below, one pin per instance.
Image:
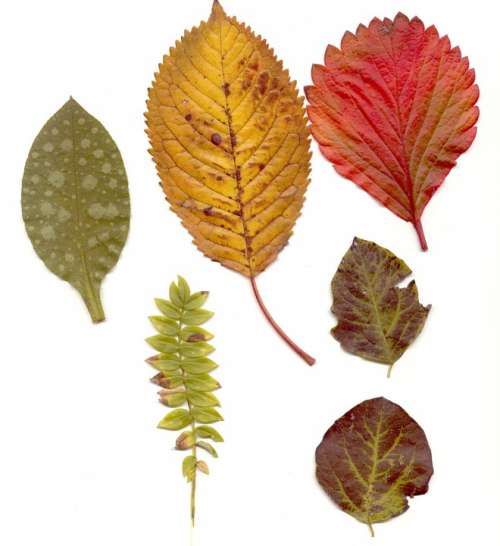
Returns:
(202, 399)
(202, 383)
(176, 419)
(75, 201)
(205, 431)
(206, 415)
(198, 365)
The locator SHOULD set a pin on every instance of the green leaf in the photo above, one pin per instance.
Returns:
(198, 365)
(164, 325)
(195, 349)
(75, 201)
(168, 309)
(205, 431)
(189, 467)
(196, 301)
(184, 291)
(175, 296)
(195, 333)
(184, 375)
(172, 400)
(164, 364)
(202, 399)
(206, 415)
(207, 447)
(202, 383)
(196, 317)
(176, 419)
(377, 320)
(164, 344)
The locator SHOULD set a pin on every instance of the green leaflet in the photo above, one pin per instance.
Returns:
(184, 376)
(75, 201)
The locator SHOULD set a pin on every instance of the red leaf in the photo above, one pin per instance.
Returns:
(393, 109)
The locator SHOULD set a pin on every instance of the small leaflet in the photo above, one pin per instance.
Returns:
(75, 201)
(372, 459)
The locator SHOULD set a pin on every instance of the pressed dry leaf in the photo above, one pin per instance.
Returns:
(372, 459)
(393, 109)
(229, 138)
(183, 374)
(377, 320)
(75, 201)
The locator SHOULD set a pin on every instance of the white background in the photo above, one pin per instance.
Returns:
(81, 461)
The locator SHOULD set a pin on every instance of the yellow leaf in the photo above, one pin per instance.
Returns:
(229, 137)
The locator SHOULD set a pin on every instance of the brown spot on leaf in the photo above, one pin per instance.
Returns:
(247, 82)
(196, 337)
(237, 174)
(208, 211)
(262, 82)
(188, 117)
(227, 89)
(216, 139)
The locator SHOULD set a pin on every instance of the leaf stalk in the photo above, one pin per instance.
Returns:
(421, 235)
(305, 356)
(93, 302)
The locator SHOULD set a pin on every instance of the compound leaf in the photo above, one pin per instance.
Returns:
(184, 377)
(376, 319)
(393, 109)
(75, 201)
(228, 135)
(372, 459)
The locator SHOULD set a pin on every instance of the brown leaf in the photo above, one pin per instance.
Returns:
(376, 319)
(372, 459)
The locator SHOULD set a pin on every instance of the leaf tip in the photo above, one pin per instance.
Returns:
(217, 9)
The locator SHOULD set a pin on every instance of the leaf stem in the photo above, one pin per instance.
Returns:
(421, 235)
(372, 532)
(389, 371)
(92, 299)
(193, 493)
(193, 427)
(309, 359)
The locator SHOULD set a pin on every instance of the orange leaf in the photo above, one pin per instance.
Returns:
(228, 135)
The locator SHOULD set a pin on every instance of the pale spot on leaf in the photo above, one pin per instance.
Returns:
(56, 178)
(89, 182)
(47, 209)
(48, 233)
(66, 145)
